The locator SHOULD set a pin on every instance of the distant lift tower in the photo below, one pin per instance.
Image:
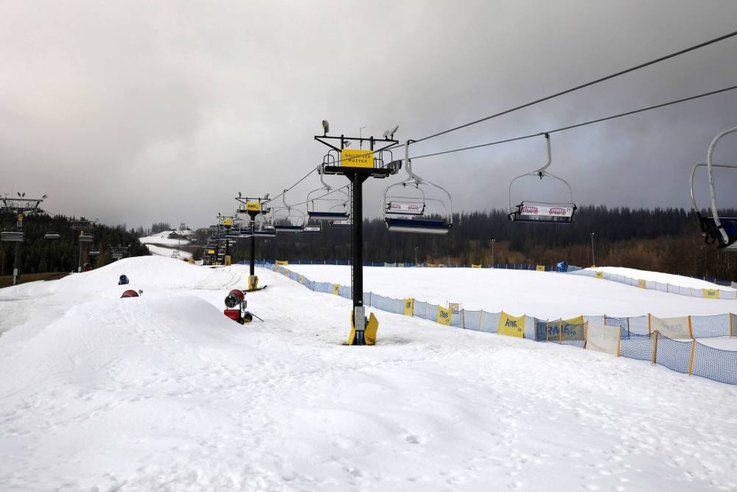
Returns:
(255, 208)
(84, 227)
(358, 165)
(21, 206)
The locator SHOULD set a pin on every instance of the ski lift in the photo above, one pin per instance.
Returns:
(542, 212)
(406, 205)
(288, 219)
(327, 203)
(715, 229)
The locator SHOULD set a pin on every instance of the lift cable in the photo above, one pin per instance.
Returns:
(577, 125)
(588, 84)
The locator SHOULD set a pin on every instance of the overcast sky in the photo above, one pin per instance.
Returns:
(138, 112)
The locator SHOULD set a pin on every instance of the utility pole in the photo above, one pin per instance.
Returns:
(593, 260)
(492, 252)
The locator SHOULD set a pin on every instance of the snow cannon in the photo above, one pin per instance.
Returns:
(235, 298)
(131, 293)
(235, 303)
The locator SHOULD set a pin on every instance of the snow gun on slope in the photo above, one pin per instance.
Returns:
(235, 307)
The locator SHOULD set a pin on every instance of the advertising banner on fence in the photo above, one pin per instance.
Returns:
(409, 307)
(336, 289)
(444, 316)
(563, 330)
(671, 327)
(602, 338)
(513, 326)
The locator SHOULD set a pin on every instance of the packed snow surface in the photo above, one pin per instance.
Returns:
(163, 392)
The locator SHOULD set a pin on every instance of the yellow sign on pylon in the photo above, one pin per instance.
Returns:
(253, 206)
(356, 158)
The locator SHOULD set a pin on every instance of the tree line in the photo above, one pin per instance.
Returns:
(662, 239)
(39, 255)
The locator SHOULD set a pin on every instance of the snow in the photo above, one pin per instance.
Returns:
(663, 278)
(545, 295)
(163, 392)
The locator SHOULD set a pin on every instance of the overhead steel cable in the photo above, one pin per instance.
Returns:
(588, 84)
(577, 125)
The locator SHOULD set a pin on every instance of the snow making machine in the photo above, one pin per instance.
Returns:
(235, 307)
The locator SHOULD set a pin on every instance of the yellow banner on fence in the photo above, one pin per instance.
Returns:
(513, 326)
(572, 329)
(475, 266)
(710, 293)
(540, 268)
(642, 284)
(600, 275)
(300, 279)
(279, 263)
(286, 272)
(409, 307)
(336, 289)
(444, 316)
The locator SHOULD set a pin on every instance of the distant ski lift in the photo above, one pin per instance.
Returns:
(240, 229)
(715, 229)
(417, 205)
(327, 203)
(288, 218)
(538, 211)
(52, 236)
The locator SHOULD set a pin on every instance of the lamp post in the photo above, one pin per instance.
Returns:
(593, 260)
(492, 252)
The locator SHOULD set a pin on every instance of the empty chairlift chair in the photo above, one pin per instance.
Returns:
(417, 205)
(716, 229)
(540, 211)
(287, 218)
(327, 203)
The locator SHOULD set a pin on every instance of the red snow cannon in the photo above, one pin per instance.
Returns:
(130, 293)
(235, 303)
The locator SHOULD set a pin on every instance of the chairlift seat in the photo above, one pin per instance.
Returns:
(288, 228)
(328, 215)
(341, 223)
(711, 231)
(429, 226)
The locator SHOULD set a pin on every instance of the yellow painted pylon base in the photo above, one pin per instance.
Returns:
(369, 334)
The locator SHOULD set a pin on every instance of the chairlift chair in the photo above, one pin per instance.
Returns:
(538, 211)
(327, 203)
(715, 229)
(263, 224)
(288, 218)
(409, 208)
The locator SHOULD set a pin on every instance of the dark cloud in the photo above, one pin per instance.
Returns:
(138, 112)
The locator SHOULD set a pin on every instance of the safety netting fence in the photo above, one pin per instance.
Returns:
(670, 342)
(663, 287)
